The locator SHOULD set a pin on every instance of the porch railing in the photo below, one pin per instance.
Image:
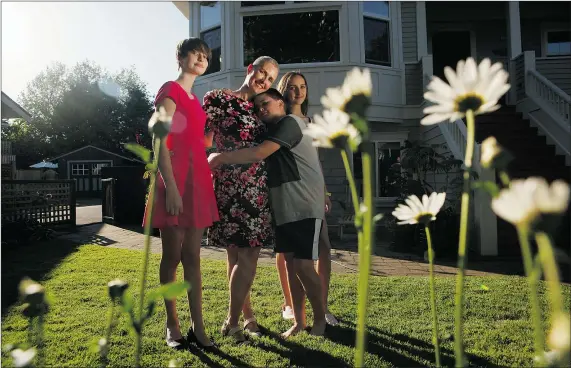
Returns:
(6, 148)
(549, 97)
(543, 102)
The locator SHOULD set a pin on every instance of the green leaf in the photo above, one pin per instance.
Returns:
(140, 151)
(488, 186)
(484, 287)
(127, 303)
(169, 291)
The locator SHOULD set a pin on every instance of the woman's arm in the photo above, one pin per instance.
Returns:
(165, 165)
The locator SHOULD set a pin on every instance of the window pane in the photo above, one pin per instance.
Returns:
(316, 35)
(558, 43)
(377, 47)
(213, 39)
(380, 8)
(388, 156)
(209, 14)
(260, 3)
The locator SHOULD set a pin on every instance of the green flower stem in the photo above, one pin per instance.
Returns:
(547, 258)
(365, 255)
(532, 273)
(432, 296)
(505, 178)
(352, 185)
(462, 246)
(149, 215)
(108, 333)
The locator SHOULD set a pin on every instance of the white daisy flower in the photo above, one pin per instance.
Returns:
(416, 211)
(490, 150)
(333, 130)
(32, 292)
(357, 83)
(116, 288)
(526, 199)
(160, 122)
(559, 338)
(516, 204)
(552, 199)
(470, 87)
(23, 358)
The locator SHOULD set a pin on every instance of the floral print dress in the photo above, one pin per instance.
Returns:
(241, 191)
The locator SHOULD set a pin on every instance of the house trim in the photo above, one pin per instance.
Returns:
(97, 148)
(19, 110)
(71, 162)
(551, 27)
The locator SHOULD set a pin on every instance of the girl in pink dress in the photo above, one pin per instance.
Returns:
(184, 202)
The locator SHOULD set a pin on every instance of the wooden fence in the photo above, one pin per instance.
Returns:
(50, 202)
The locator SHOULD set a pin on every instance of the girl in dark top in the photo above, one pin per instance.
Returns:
(293, 86)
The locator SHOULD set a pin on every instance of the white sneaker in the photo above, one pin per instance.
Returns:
(287, 313)
(331, 320)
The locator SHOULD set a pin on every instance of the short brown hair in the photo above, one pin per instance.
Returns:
(190, 45)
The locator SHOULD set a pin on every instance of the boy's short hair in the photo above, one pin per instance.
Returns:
(273, 93)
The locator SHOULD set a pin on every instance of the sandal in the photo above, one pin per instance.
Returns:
(179, 343)
(234, 332)
(252, 331)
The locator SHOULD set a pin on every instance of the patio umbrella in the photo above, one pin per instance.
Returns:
(44, 165)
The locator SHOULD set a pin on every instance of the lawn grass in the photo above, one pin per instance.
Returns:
(497, 328)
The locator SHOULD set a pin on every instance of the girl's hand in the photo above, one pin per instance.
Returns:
(173, 201)
(327, 204)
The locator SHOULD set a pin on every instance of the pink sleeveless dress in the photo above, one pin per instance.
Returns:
(193, 177)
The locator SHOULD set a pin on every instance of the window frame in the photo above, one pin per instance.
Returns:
(291, 7)
(378, 138)
(211, 28)
(544, 40)
(389, 19)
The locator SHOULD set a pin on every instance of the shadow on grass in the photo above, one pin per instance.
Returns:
(34, 261)
(235, 362)
(299, 355)
(391, 347)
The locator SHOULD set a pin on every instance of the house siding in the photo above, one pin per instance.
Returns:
(90, 154)
(409, 38)
(413, 83)
(557, 70)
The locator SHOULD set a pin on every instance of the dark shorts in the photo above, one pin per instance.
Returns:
(300, 238)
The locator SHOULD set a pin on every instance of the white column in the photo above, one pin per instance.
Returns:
(194, 19)
(352, 38)
(514, 30)
(229, 29)
(421, 30)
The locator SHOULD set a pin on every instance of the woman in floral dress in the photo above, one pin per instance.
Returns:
(241, 190)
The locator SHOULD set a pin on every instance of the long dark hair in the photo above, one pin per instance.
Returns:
(282, 87)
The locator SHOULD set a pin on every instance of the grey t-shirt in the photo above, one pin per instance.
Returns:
(294, 173)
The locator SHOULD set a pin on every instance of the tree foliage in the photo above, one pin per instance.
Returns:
(81, 105)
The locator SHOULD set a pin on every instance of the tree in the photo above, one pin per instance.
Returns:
(73, 107)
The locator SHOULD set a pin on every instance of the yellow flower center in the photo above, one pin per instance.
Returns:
(339, 139)
(424, 217)
(469, 101)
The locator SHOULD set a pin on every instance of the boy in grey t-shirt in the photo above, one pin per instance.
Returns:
(297, 198)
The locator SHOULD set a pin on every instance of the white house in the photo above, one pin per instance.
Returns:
(404, 44)
(10, 110)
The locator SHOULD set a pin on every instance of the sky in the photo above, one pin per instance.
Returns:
(114, 35)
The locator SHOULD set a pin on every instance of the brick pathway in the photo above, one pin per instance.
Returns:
(344, 256)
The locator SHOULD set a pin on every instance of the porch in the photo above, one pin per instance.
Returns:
(531, 39)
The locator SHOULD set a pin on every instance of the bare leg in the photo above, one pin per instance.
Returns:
(231, 261)
(171, 239)
(241, 279)
(324, 263)
(312, 285)
(297, 297)
(282, 272)
(191, 266)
